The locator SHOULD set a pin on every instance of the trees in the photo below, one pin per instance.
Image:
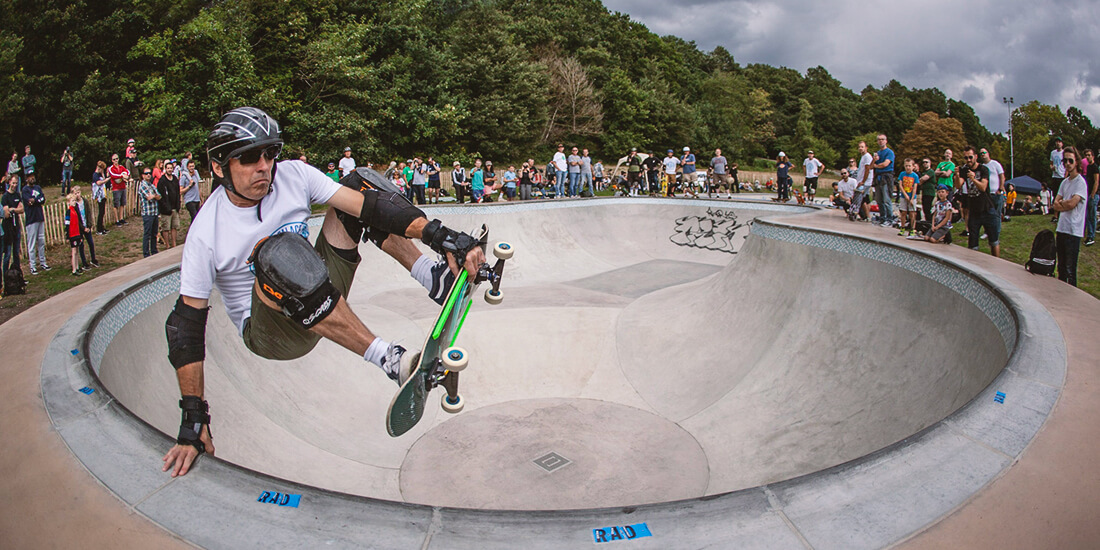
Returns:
(930, 136)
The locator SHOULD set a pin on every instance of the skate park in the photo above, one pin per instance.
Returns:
(725, 373)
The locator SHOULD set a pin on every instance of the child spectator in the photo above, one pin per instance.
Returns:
(398, 178)
(907, 203)
(72, 227)
(510, 180)
(1045, 199)
(942, 211)
(1010, 198)
(477, 181)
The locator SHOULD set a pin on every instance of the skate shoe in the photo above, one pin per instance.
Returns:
(442, 280)
(399, 364)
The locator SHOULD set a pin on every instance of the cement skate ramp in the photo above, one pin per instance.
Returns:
(646, 351)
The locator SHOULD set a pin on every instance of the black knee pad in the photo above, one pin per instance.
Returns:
(292, 274)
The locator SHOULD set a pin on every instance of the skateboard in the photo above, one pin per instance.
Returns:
(440, 360)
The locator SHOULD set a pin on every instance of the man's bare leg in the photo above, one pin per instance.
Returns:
(400, 248)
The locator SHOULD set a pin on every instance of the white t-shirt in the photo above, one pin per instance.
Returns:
(813, 167)
(670, 164)
(559, 162)
(347, 166)
(1056, 158)
(1073, 221)
(996, 176)
(846, 187)
(223, 235)
(864, 170)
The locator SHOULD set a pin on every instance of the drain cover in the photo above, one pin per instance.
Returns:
(551, 461)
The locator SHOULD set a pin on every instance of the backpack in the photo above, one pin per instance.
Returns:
(1043, 254)
(13, 282)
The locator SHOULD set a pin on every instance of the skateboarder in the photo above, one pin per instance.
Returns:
(283, 295)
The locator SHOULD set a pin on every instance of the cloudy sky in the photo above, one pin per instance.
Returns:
(974, 50)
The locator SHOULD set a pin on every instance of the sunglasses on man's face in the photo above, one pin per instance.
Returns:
(1069, 161)
(147, 173)
(969, 157)
(252, 156)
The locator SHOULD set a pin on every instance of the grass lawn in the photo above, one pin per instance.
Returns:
(1016, 237)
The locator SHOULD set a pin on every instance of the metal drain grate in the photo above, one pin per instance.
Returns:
(551, 461)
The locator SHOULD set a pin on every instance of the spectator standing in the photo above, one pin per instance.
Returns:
(15, 168)
(813, 169)
(687, 168)
(782, 177)
(720, 174)
(118, 175)
(168, 188)
(347, 164)
(458, 180)
(85, 210)
(490, 182)
(419, 181)
(864, 182)
(397, 176)
(29, 163)
(1057, 169)
(158, 169)
(586, 173)
(189, 189)
(526, 181)
(511, 179)
(150, 213)
(928, 188)
(72, 229)
(945, 173)
(651, 167)
(1092, 181)
(907, 200)
(983, 211)
(633, 171)
(560, 172)
(99, 195)
(574, 161)
(434, 183)
(66, 171)
(408, 173)
(597, 174)
(33, 199)
(884, 181)
(12, 202)
(185, 164)
(131, 157)
(1071, 203)
(477, 182)
(332, 173)
(670, 164)
(996, 180)
(1045, 198)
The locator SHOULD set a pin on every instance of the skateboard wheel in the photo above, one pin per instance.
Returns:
(494, 297)
(455, 359)
(452, 407)
(503, 251)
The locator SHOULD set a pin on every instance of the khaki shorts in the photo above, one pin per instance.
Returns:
(272, 335)
(170, 221)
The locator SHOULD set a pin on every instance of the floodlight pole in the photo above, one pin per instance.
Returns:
(1011, 150)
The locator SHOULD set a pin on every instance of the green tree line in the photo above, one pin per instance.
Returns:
(453, 78)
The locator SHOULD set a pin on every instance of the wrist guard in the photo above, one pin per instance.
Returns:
(443, 240)
(195, 415)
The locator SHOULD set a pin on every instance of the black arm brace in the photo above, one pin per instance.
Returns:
(443, 240)
(195, 415)
(388, 212)
(186, 333)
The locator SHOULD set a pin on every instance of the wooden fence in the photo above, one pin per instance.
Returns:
(54, 212)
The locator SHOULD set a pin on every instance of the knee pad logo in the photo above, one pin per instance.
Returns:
(272, 293)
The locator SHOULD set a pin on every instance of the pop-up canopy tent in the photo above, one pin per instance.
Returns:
(1026, 184)
(622, 161)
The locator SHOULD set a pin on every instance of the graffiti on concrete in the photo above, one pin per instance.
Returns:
(714, 231)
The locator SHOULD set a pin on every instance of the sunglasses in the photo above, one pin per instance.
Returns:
(252, 156)
(1069, 161)
(969, 157)
(986, 153)
(147, 173)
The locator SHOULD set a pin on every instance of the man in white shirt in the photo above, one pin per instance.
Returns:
(1071, 201)
(1058, 171)
(864, 181)
(813, 170)
(561, 168)
(845, 190)
(670, 163)
(347, 164)
(996, 180)
(281, 294)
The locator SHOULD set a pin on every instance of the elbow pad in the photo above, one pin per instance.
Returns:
(186, 333)
(388, 212)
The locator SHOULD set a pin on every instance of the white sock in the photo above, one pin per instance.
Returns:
(422, 271)
(376, 352)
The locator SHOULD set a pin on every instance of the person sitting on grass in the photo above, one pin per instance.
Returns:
(942, 211)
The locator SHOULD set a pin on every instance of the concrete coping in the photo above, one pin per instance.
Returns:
(874, 501)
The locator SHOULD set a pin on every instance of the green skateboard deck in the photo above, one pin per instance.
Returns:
(407, 406)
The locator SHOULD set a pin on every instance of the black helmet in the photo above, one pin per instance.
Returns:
(239, 130)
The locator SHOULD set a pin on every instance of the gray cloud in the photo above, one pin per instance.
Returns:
(975, 50)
